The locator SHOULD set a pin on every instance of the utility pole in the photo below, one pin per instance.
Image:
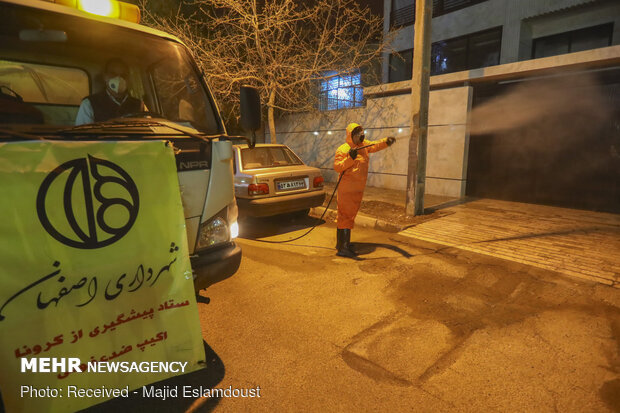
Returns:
(420, 79)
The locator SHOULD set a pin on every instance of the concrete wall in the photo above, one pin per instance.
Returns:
(315, 137)
(521, 21)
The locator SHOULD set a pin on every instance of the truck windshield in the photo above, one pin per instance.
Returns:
(50, 62)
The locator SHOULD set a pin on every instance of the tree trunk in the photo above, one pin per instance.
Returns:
(271, 120)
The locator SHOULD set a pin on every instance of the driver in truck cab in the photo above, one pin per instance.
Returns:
(114, 101)
(54, 60)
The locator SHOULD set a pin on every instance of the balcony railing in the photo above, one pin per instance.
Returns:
(405, 16)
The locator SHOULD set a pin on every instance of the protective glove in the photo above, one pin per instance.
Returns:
(353, 153)
(390, 140)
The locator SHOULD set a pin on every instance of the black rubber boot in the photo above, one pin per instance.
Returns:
(339, 239)
(345, 249)
(347, 241)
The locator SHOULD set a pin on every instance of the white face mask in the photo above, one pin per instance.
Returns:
(117, 85)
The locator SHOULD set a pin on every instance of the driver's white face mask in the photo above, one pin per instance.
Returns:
(117, 84)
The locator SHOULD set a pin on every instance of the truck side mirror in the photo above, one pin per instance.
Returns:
(250, 111)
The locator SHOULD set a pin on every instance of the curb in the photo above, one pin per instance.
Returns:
(360, 220)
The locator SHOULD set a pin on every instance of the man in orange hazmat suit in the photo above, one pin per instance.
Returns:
(352, 164)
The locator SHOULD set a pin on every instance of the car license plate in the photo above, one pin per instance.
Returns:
(290, 185)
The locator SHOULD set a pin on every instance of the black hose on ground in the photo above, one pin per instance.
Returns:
(314, 226)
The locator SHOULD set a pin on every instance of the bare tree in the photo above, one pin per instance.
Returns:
(283, 47)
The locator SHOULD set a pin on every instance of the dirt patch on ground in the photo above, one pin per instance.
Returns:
(393, 214)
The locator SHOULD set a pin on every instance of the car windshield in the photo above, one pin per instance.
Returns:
(49, 62)
(268, 157)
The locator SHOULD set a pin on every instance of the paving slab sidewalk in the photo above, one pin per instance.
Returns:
(578, 243)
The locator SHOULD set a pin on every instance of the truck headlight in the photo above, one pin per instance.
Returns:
(223, 227)
(213, 232)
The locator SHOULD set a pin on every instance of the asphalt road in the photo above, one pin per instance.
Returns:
(410, 326)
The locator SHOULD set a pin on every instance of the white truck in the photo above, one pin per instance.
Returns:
(52, 56)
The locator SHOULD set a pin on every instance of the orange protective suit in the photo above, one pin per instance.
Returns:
(351, 188)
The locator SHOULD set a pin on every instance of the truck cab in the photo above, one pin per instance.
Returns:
(52, 57)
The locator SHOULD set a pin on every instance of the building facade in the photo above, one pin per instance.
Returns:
(470, 34)
(524, 105)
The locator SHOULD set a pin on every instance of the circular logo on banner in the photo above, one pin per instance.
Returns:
(99, 199)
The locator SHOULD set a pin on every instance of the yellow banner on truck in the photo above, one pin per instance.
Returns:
(96, 289)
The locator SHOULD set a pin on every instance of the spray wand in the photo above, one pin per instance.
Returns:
(376, 143)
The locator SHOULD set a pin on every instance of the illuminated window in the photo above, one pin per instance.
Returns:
(341, 91)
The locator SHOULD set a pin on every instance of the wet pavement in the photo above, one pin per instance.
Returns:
(409, 326)
(491, 306)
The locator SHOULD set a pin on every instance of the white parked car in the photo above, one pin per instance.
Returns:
(271, 179)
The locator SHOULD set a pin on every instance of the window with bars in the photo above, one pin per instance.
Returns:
(403, 11)
(341, 91)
